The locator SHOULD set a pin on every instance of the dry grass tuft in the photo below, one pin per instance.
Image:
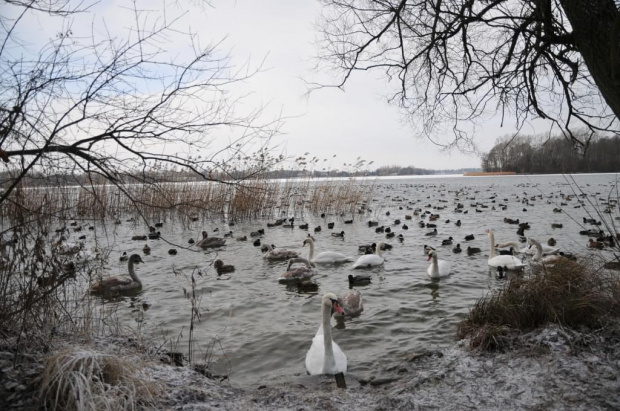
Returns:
(573, 294)
(87, 380)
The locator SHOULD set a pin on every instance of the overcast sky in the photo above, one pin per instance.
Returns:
(356, 122)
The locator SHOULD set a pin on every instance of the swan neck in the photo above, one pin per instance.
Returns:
(311, 253)
(132, 272)
(492, 240)
(328, 361)
(539, 251)
(434, 267)
(378, 250)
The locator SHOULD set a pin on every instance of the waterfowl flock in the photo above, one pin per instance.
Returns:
(490, 243)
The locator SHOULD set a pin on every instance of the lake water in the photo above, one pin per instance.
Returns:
(265, 328)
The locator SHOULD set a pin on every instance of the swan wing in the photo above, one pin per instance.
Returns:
(368, 260)
(341, 359)
(444, 268)
(508, 261)
(112, 284)
(331, 257)
(315, 355)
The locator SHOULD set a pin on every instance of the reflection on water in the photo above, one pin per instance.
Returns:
(265, 328)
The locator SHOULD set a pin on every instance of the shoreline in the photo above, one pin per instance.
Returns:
(548, 368)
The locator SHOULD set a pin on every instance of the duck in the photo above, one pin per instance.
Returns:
(551, 242)
(510, 251)
(325, 257)
(351, 304)
(438, 268)
(359, 279)
(473, 250)
(595, 244)
(208, 242)
(340, 234)
(222, 268)
(119, 284)
(509, 262)
(256, 243)
(501, 272)
(146, 249)
(324, 355)
(516, 248)
(447, 242)
(297, 274)
(469, 237)
(242, 238)
(124, 257)
(458, 223)
(278, 254)
(370, 260)
(431, 233)
(173, 251)
(457, 249)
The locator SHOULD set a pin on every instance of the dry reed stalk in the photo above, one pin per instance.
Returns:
(80, 379)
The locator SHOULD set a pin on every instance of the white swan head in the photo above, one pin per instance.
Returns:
(330, 301)
(432, 254)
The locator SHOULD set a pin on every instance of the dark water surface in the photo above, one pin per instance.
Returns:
(265, 328)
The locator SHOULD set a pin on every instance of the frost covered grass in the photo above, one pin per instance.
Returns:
(572, 294)
(78, 379)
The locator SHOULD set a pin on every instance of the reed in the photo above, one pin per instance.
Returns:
(185, 202)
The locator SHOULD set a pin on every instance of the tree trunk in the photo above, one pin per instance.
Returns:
(595, 28)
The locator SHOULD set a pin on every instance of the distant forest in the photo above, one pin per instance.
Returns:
(533, 155)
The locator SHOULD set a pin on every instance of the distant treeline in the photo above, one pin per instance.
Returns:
(533, 155)
(60, 179)
(379, 172)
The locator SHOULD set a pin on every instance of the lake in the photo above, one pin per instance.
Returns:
(263, 328)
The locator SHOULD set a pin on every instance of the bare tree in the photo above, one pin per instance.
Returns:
(455, 61)
(120, 109)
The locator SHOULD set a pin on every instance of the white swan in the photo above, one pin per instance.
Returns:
(370, 260)
(325, 257)
(118, 284)
(277, 254)
(351, 304)
(438, 268)
(528, 250)
(540, 258)
(509, 262)
(324, 356)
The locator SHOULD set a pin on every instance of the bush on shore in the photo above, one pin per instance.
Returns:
(572, 293)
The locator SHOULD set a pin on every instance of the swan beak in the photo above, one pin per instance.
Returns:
(336, 307)
(429, 258)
